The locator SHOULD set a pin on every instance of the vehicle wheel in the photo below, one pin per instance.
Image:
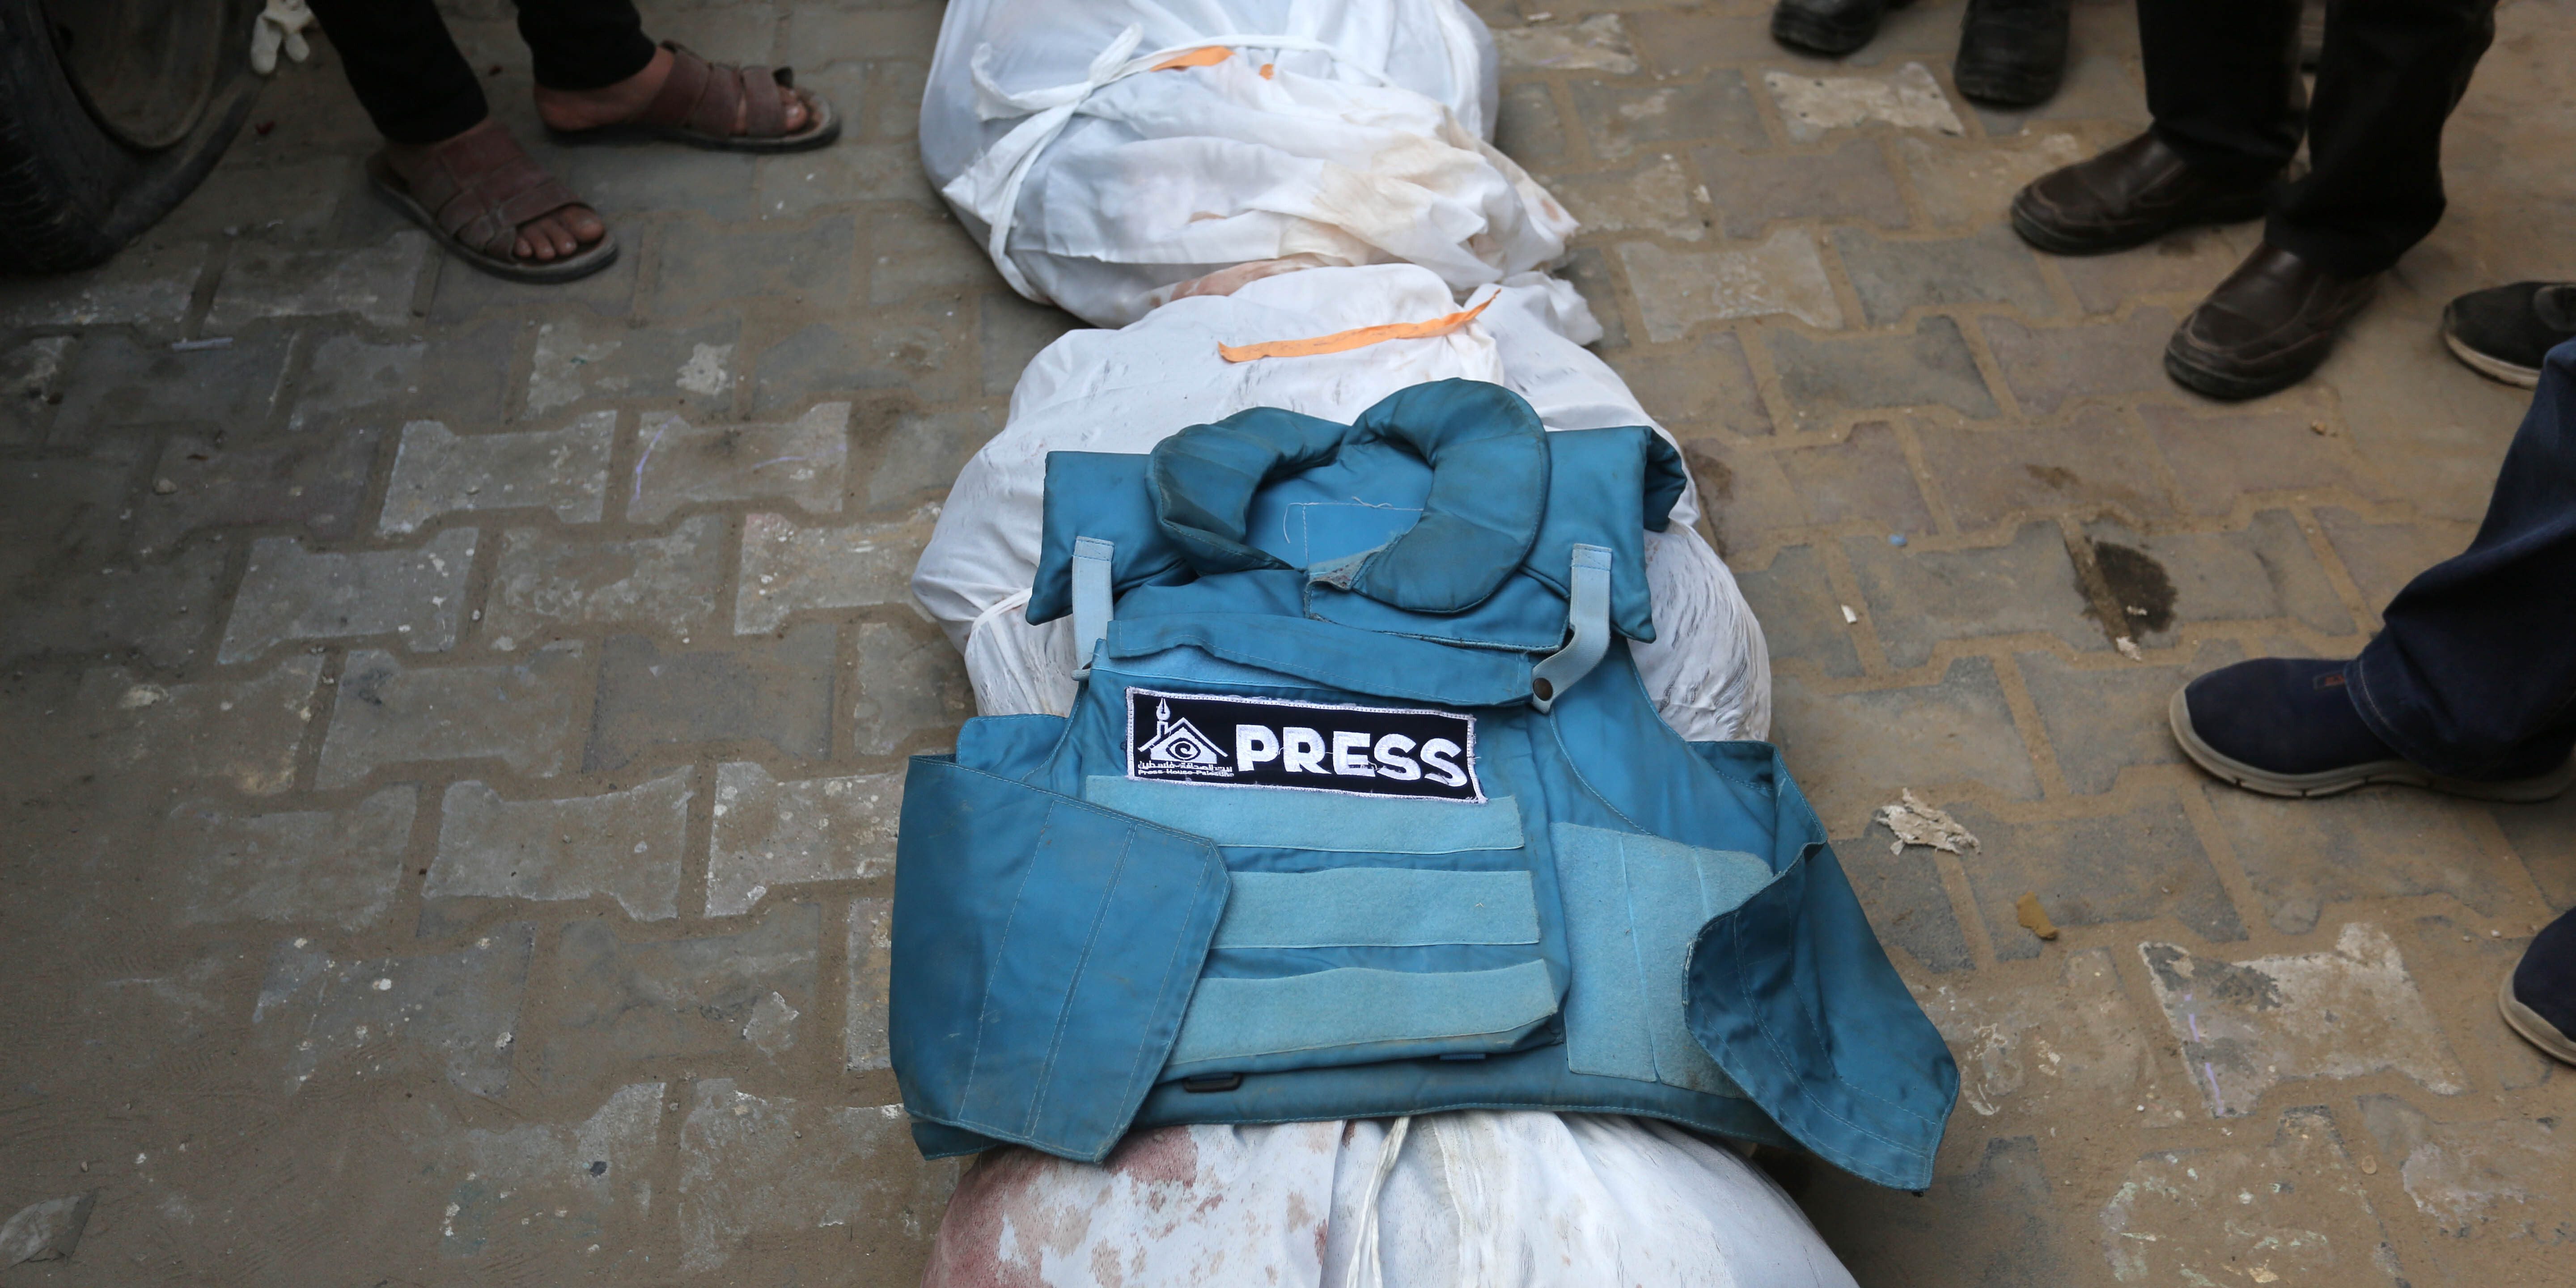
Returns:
(111, 111)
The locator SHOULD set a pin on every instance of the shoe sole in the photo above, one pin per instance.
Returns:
(2005, 89)
(2527, 1022)
(2493, 368)
(2049, 239)
(2232, 388)
(2333, 781)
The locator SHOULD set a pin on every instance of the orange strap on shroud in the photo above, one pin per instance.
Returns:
(1203, 56)
(1345, 341)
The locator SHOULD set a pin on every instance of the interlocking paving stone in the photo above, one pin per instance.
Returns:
(1589, 270)
(624, 844)
(290, 593)
(2544, 836)
(703, 265)
(772, 833)
(462, 375)
(580, 359)
(1919, 598)
(519, 1193)
(789, 568)
(1801, 617)
(62, 517)
(622, 1000)
(1849, 182)
(923, 452)
(2217, 458)
(549, 580)
(30, 384)
(2456, 964)
(2101, 719)
(911, 683)
(914, 346)
(2094, 461)
(2248, 1026)
(2020, 1048)
(2428, 423)
(2383, 557)
(1595, 44)
(469, 294)
(1013, 332)
(910, 256)
(800, 184)
(2376, 843)
(2181, 267)
(145, 286)
(1863, 478)
(1991, 266)
(115, 382)
(2141, 863)
(1623, 119)
(1652, 196)
(159, 610)
(337, 866)
(2497, 1191)
(456, 1012)
(761, 689)
(1931, 365)
(1962, 185)
(1702, 385)
(261, 280)
(2049, 368)
(242, 732)
(774, 1169)
(2266, 570)
(871, 967)
(438, 471)
(316, 482)
(2293, 1208)
(1991, 1224)
(1908, 99)
(521, 713)
(1528, 128)
(1907, 906)
(1854, 752)
(1745, 491)
(804, 461)
(1677, 290)
(717, 185)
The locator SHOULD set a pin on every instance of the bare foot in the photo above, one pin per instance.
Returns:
(557, 234)
(566, 109)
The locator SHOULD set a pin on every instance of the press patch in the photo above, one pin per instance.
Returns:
(1250, 742)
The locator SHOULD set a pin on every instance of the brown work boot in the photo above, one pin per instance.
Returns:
(2266, 327)
(2128, 196)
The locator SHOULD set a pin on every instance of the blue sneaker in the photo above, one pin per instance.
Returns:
(2287, 727)
(2538, 996)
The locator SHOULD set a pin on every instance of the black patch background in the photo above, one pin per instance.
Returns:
(1216, 718)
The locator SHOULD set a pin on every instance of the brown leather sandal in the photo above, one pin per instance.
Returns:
(697, 106)
(479, 188)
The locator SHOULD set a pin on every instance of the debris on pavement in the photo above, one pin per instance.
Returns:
(2032, 917)
(1916, 823)
(47, 1231)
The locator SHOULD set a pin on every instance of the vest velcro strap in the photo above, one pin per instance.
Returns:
(1092, 605)
(1587, 619)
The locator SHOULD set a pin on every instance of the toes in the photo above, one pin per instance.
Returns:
(585, 224)
(795, 114)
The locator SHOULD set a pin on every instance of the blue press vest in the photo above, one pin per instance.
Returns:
(1362, 811)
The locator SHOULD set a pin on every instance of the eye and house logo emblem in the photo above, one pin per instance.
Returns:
(1309, 746)
(1177, 743)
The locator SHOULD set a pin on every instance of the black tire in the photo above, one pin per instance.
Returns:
(72, 190)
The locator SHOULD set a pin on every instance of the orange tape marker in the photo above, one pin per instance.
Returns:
(1203, 56)
(1345, 341)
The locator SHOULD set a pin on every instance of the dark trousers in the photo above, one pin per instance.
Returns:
(2223, 85)
(419, 89)
(2475, 674)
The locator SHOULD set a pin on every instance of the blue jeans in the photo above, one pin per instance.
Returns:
(2474, 675)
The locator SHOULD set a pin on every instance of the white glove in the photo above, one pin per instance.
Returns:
(281, 25)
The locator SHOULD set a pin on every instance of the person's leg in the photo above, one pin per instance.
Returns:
(2474, 675)
(2390, 74)
(584, 44)
(2222, 82)
(404, 67)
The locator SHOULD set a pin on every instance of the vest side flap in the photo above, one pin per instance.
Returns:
(1045, 951)
(1793, 997)
(1101, 495)
(1605, 489)
(1336, 656)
